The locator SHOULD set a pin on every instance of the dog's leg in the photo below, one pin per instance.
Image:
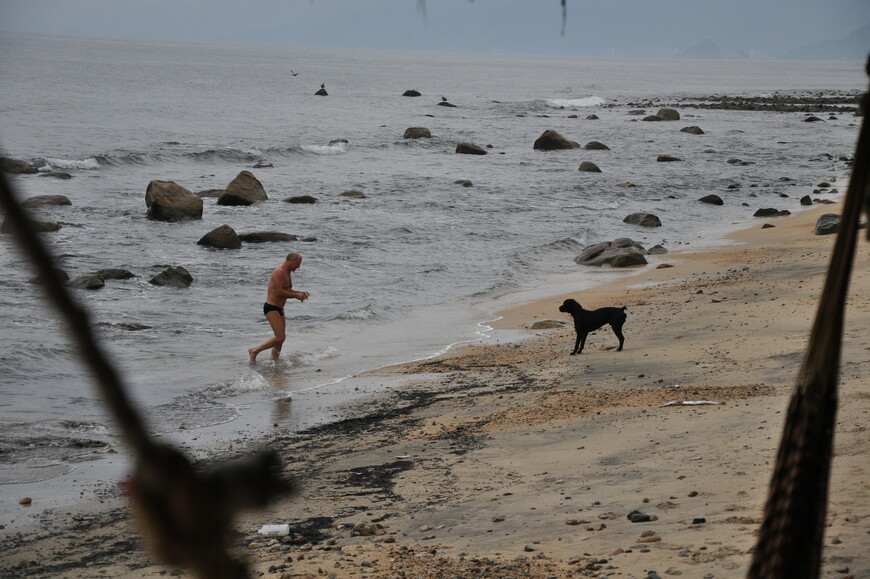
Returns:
(581, 341)
(617, 329)
(577, 345)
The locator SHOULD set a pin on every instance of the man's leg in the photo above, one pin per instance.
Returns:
(276, 321)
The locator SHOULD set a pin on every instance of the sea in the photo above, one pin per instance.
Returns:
(420, 264)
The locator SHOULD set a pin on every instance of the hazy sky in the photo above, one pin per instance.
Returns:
(639, 28)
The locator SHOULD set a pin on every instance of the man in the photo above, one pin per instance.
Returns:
(279, 291)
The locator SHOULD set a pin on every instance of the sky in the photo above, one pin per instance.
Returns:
(621, 28)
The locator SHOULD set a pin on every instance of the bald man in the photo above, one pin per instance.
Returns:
(279, 291)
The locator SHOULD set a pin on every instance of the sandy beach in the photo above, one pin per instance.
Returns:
(511, 458)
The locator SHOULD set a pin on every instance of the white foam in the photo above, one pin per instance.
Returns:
(590, 101)
(88, 164)
(335, 149)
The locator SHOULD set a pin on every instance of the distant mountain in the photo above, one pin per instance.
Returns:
(854, 46)
(706, 49)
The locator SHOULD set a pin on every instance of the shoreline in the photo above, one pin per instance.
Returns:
(481, 432)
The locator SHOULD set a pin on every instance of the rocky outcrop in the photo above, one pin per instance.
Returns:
(168, 201)
(267, 237)
(668, 115)
(46, 201)
(693, 130)
(589, 167)
(88, 281)
(712, 199)
(35, 225)
(643, 219)
(223, 237)
(173, 277)
(596, 146)
(469, 149)
(115, 273)
(353, 194)
(622, 252)
(245, 189)
(827, 224)
(771, 212)
(321, 92)
(417, 133)
(301, 199)
(551, 140)
(16, 166)
(411, 93)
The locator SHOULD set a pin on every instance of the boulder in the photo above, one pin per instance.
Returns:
(168, 201)
(267, 237)
(621, 252)
(812, 119)
(668, 115)
(417, 133)
(46, 201)
(712, 200)
(827, 224)
(806, 200)
(592, 117)
(446, 104)
(411, 93)
(340, 140)
(464, 183)
(245, 189)
(41, 279)
(589, 167)
(322, 92)
(35, 225)
(223, 237)
(353, 194)
(173, 277)
(652, 118)
(16, 166)
(115, 273)
(667, 159)
(771, 212)
(89, 281)
(657, 250)
(551, 140)
(643, 219)
(469, 149)
(301, 199)
(57, 175)
(693, 130)
(596, 146)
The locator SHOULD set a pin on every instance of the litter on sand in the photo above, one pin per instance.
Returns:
(274, 530)
(688, 403)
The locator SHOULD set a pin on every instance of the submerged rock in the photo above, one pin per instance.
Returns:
(469, 149)
(173, 277)
(551, 140)
(245, 189)
(223, 237)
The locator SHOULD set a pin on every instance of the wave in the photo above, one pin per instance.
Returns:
(582, 102)
(89, 164)
(333, 149)
(364, 313)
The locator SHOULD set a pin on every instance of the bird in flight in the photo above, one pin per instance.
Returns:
(294, 73)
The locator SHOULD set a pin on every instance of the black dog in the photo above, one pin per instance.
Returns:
(586, 321)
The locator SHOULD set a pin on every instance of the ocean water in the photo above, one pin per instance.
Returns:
(400, 275)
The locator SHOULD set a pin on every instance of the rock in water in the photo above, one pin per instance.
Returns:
(168, 201)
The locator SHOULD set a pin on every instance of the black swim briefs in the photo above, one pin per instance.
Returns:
(267, 307)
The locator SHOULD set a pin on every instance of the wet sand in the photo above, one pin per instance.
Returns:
(513, 459)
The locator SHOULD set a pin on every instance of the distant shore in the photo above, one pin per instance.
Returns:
(516, 459)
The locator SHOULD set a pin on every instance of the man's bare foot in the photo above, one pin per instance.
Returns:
(252, 355)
